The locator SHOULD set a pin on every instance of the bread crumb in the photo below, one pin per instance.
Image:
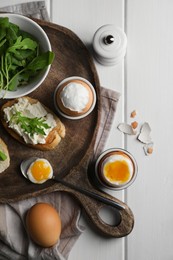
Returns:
(133, 114)
(134, 124)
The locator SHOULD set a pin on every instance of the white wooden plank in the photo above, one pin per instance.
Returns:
(149, 90)
(84, 18)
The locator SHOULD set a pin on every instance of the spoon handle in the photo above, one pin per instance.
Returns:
(91, 194)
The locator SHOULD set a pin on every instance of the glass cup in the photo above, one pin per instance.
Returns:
(116, 169)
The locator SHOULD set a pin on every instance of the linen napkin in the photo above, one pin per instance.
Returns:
(14, 241)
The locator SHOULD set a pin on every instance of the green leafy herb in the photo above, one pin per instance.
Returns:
(24, 44)
(41, 61)
(30, 125)
(20, 59)
(3, 157)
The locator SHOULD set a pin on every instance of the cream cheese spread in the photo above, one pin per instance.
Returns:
(75, 97)
(30, 111)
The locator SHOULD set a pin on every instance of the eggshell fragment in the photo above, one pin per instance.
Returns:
(126, 129)
(133, 114)
(148, 148)
(144, 135)
(134, 124)
(43, 224)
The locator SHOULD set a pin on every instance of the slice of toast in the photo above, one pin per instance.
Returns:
(52, 140)
(4, 164)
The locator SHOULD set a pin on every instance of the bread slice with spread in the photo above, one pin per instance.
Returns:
(32, 123)
(4, 156)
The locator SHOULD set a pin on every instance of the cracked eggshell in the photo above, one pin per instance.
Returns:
(144, 135)
(133, 114)
(126, 129)
(148, 148)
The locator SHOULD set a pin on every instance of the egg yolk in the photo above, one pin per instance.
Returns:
(40, 170)
(117, 171)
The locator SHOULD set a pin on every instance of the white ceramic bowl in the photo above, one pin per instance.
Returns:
(28, 25)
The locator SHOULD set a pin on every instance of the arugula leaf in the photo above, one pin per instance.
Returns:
(25, 44)
(3, 156)
(30, 125)
(26, 35)
(14, 27)
(2, 42)
(41, 61)
(12, 86)
(4, 22)
(21, 78)
(25, 54)
(20, 63)
(2, 33)
(12, 33)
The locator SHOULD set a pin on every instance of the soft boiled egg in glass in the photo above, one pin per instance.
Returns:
(116, 169)
(37, 170)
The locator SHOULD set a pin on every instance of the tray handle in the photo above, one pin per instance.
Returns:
(92, 208)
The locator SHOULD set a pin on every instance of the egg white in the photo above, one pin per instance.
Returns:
(31, 177)
(75, 96)
(114, 158)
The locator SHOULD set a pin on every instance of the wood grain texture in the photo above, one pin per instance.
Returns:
(80, 134)
(84, 18)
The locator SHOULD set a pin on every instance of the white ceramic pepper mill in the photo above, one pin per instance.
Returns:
(109, 44)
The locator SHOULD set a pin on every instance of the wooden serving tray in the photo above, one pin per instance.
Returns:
(74, 152)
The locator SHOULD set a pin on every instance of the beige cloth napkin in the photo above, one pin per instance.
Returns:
(15, 243)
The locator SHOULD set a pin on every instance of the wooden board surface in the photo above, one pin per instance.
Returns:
(70, 55)
(74, 152)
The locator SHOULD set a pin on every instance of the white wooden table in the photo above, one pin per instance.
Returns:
(145, 80)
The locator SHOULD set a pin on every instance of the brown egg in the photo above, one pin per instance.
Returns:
(43, 224)
(68, 111)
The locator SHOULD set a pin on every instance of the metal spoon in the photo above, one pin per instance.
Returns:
(26, 163)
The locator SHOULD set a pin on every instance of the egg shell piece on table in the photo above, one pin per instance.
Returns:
(126, 129)
(43, 224)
